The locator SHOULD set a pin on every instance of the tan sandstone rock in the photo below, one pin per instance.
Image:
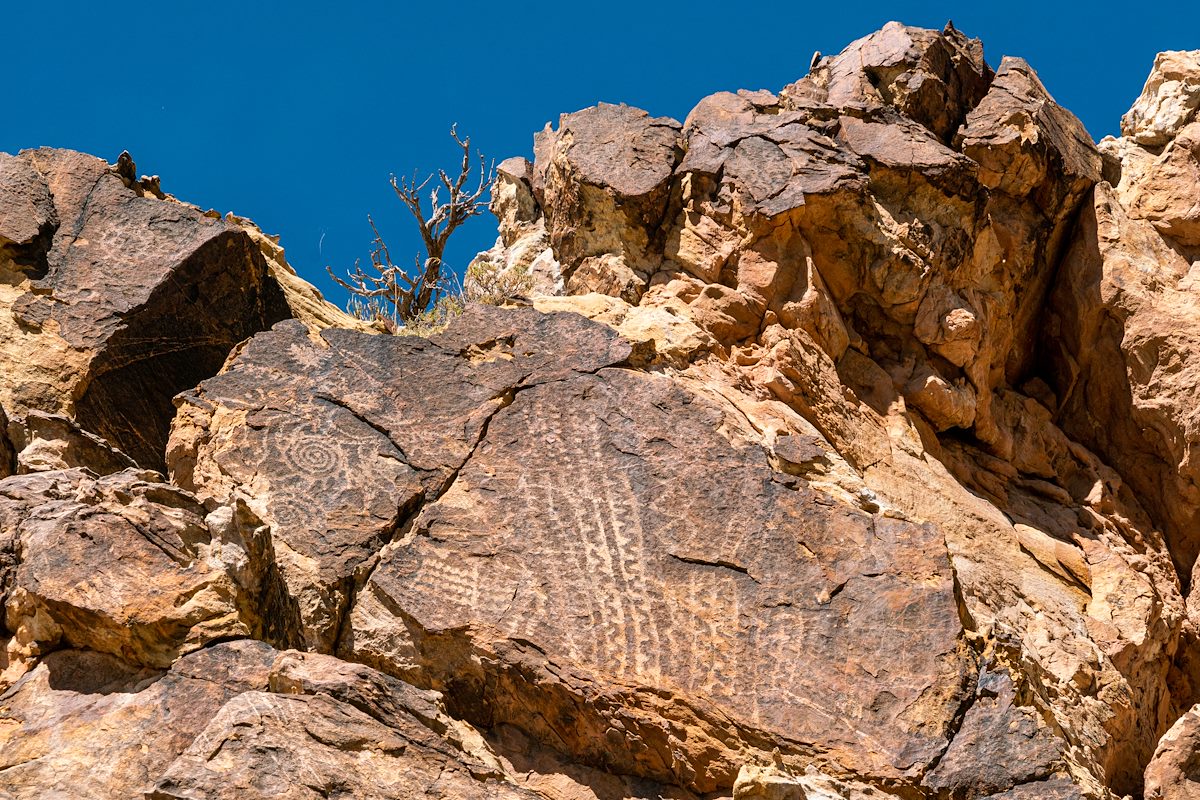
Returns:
(848, 450)
(129, 566)
(1174, 772)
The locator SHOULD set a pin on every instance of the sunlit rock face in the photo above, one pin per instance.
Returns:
(845, 446)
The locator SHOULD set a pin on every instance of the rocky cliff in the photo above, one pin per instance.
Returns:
(849, 448)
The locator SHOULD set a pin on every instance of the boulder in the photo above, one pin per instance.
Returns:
(606, 173)
(932, 77)
(113, 300)
(1174, 772)
(130, 566)
(1168, 101)
(88, 726)
(336, 442)
(326, 728)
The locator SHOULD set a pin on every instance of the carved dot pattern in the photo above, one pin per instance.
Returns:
(612, 547)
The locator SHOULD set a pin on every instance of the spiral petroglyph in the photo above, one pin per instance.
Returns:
(335, 441)
(315, 454)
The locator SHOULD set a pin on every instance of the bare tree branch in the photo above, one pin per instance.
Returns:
(394, 295)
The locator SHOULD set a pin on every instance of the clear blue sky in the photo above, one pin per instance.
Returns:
(295, 114)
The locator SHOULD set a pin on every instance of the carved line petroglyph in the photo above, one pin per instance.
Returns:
(593, 531)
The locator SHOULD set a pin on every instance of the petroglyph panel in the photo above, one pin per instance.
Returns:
(334, 442)
(605, 521)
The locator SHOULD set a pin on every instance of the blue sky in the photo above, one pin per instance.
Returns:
(295, 114)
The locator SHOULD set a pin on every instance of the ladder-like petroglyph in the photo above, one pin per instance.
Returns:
(617, 550)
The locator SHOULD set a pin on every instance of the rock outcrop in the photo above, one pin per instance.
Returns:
(114, 297)
(847, 447)
(171, 578)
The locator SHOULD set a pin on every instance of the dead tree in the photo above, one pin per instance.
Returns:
(392, 294)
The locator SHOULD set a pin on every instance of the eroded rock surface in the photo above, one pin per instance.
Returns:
(588, 524)
(115, 297)
(846, 447)
(1174, 772)
(324, 728)
(335, 441)
(88, 725)
(870, 255)
(129, 566)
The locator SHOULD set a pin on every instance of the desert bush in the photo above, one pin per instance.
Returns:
(485, 282)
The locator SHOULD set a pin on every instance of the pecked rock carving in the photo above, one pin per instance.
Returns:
(846, 447)
(645, 572)
(335, 442)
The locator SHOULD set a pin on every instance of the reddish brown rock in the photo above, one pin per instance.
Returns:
(1053, 789)
(87, 725)
(44, 442)
(327, 727)
(264, 745)
(1053, 168)
(8, 457)
(584, 559)
(335, 442)
(871, 251)
(1123, 341)
(27, 215)
(114, 300)
(998, 744)
(1162, 191)
(129, 566)
(606, 171)
(934, 78)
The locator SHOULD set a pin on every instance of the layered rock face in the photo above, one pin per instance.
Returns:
(845, 450)
(113, 298)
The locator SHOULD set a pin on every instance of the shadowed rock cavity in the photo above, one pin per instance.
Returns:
(114, 300)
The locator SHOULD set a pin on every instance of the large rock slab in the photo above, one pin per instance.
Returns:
(608, 561)
(328, 728)
(87, 726)
(872, 250)
(128, 566)
(336, 441)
